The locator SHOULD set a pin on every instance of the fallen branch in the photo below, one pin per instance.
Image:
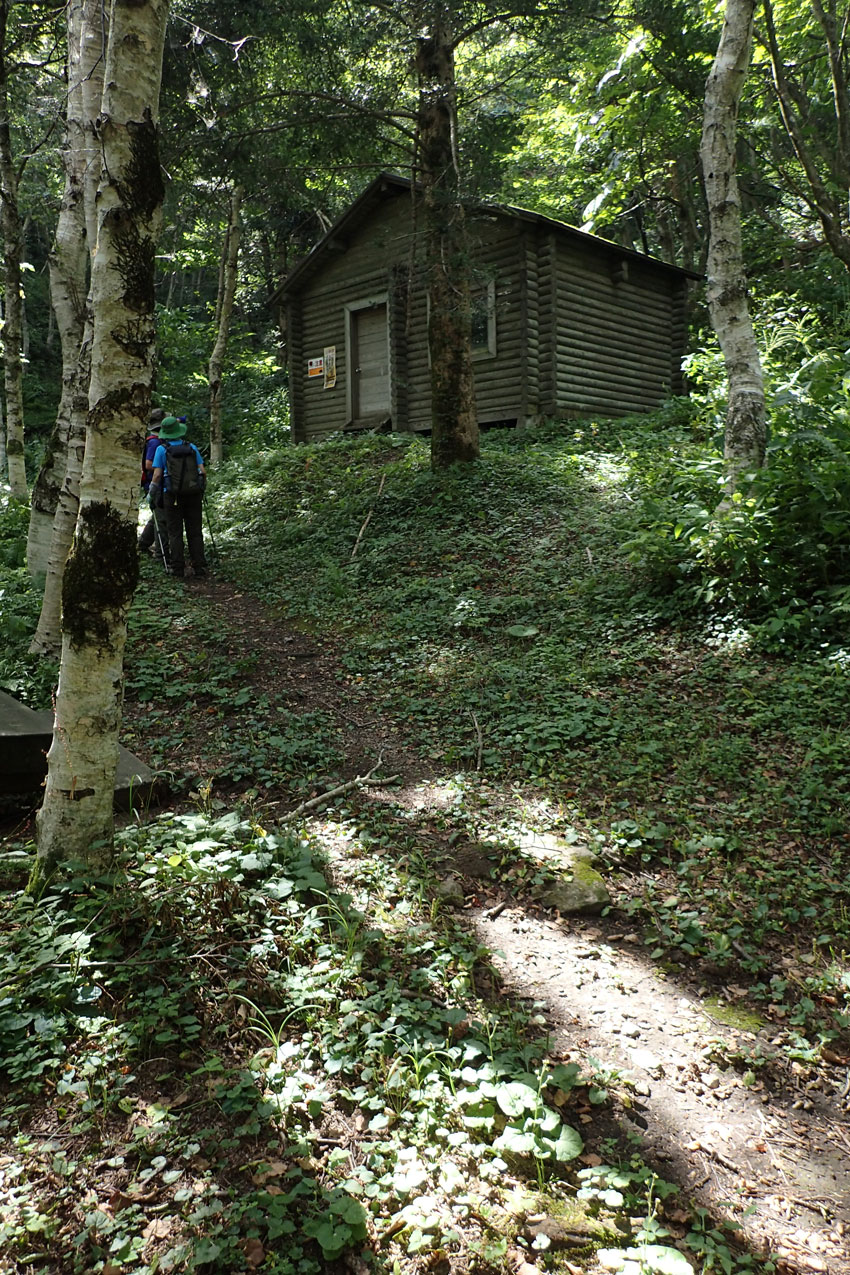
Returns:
(324, 797)
(480, 740)
(366, 519)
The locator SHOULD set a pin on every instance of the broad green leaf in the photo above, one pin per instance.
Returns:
(656, 1258)
(568, 1146)
(513, 1139)
(514, 1098)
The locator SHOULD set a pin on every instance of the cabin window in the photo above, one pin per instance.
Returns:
(482, 299)
(483, 304)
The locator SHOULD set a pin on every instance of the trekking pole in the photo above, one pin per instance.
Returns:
(166, 562)
(209, 527)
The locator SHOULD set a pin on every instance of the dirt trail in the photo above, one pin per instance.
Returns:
(774, 1145)
(703, 1127)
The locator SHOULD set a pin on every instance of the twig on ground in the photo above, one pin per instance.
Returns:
(822, 1205)
(480, 740)
(722, 1160)
(367, 518)
(323, 797)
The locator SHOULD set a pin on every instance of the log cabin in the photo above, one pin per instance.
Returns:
(565, 324)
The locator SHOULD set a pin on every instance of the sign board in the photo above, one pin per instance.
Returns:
(330, 366)
(315, 367)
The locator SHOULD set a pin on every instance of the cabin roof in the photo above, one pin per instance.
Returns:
(389, 184)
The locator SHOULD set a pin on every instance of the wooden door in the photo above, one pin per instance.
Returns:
(370, 360)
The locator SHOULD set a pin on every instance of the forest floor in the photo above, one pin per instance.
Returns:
(696, 1076)
(318, 1019)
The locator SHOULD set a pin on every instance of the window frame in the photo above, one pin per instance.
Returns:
(485, 350)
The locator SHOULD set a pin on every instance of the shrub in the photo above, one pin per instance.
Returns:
(778, 554)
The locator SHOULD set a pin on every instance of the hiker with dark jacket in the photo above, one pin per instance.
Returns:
(155, 532)
(178, 483)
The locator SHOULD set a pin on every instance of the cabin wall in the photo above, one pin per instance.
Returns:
(616, 342)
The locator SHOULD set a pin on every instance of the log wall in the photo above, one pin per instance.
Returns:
(614, 320)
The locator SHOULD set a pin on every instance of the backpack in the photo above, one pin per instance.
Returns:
(146, 473)
(181, 466)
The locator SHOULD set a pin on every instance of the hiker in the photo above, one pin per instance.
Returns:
(178, 484)
(155, 532)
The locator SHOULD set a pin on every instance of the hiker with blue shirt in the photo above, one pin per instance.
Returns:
(178, 483)
(155, 531)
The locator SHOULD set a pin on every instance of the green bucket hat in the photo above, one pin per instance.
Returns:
(171, 428)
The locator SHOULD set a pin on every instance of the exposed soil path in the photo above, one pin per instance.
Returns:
(703, 1127)
(776, 1140)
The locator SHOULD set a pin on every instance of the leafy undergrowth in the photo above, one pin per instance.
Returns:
(217, 1060)
(237, 1064)
(179, 676)
(504, 615)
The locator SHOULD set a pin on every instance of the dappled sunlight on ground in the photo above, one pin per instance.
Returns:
(700, 1118)
(717, 1109)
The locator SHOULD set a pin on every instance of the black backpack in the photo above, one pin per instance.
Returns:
(181, 465)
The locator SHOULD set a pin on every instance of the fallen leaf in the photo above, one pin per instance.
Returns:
(254, 1252)
(274, 1169)
(158, 1228)
(519, 1263)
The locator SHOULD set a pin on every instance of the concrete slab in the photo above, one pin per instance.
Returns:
(25, 737)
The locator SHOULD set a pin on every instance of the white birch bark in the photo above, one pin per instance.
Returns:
(744, 443)
(10, 220)
(76, 820)
(91, 42)
(68, 266)
(224, 309)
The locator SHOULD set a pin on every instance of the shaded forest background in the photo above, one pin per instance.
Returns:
(589, 115)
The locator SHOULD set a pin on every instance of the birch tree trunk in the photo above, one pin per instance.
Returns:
(76, 820)
(10, 219)
(68, 266)
(744, 443)
(224, 309)
(454, 420)
(89, 40)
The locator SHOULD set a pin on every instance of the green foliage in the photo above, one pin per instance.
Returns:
(255, 405)
(27, 677)
(225, 1002)
(775, 559)
(125, 996)
(506, 616)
